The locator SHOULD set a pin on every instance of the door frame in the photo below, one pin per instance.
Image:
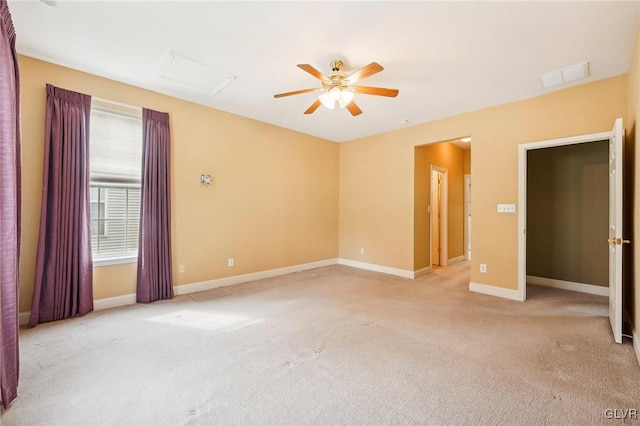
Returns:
(467, 196)
(522, 195)
(444, 223)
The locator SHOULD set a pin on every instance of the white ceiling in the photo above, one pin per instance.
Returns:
(445, 57)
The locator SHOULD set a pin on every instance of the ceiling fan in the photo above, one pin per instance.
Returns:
(338, 88)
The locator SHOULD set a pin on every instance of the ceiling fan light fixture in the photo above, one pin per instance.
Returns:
(326, 100)
(336, 95)
(346, 97)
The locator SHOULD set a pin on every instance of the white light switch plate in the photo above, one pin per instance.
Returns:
(506, 208)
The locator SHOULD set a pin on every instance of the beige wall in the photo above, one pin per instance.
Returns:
(568, 213)
(377, 175)
(273, 203)
(421, 222)
(632, 191)
(448, 156)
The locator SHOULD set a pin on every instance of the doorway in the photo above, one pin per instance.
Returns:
(615, 240)
(568, 217)
(438, 209)
(452, 159)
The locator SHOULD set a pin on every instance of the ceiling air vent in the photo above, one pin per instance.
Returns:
(565, 75)
(195, 74)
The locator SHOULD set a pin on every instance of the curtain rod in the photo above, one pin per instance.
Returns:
(108, 101)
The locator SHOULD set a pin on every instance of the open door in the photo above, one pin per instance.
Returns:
(616, 142)
(436, 216)
(439, 211)
(467, 216)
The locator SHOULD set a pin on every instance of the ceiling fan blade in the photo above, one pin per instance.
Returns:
(297, 92)
(378, 91)
(354, 109)
(314, 72)
(314, 106)
(364, 72)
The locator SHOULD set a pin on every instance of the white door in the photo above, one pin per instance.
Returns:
(467, 215)
(615, 229)
(436, 211)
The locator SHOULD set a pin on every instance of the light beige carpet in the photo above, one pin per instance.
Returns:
(333, 345)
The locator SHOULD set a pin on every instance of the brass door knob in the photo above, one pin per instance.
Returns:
(618, 241)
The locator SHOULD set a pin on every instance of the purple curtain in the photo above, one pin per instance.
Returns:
(64, 268)
(10, 200)
(155, 276)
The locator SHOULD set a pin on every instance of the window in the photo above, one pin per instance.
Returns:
(98, 200)
(115, 172)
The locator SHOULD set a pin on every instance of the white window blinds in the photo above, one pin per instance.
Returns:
(116, 147)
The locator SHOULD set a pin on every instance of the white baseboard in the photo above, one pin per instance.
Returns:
(98, 305)
(568, 285)
(636, 344)
(377, 268)
(490, 290)
(130, 299)
(421, 272)
(114, 302)
(456, 260)
(237, 279)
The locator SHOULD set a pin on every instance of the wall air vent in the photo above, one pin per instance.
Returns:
(565, 75)
(195, 74)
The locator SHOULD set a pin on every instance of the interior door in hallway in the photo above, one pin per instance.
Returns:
(436, 217)
(467, 216)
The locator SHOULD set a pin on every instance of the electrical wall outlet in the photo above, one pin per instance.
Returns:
(230, 262)
(180, 269)
(483, 268)
(362, 251)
